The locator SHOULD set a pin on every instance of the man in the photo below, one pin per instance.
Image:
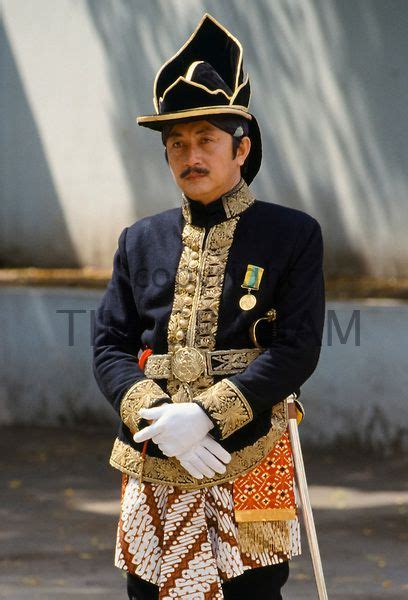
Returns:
(212, 318)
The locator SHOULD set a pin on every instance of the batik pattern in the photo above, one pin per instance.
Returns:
(185, 541)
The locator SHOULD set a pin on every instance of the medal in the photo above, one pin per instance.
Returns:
(252, 281)
(248, 301)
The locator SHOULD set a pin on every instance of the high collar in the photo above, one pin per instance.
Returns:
(229, 205)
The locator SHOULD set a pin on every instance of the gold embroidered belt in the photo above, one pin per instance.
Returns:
(188, 363)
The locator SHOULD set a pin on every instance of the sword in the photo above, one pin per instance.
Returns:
(304, 498)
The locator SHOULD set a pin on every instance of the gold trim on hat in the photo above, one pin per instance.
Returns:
(229, 34)
(195, 84)
(242, 111)
(192, 68)
(239, 88)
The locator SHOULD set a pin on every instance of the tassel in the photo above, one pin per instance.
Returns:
(264, 536)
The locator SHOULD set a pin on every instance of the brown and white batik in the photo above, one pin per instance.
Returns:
(186, 541)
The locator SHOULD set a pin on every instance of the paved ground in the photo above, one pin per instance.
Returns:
(59, 503)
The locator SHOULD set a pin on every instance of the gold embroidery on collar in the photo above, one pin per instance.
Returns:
(234, 202)
(238, 200)
(169, 471)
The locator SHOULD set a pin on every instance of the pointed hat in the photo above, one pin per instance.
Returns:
(206, 78)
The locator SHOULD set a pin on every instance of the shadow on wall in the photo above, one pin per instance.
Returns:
(33, 196)
(328, 80)
(133, 55)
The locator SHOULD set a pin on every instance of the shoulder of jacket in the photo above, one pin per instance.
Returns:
(159, 220)
(285, 214)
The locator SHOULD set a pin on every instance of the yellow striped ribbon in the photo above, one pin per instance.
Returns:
(253, 277)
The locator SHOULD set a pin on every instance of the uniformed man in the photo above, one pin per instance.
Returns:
(212, 318)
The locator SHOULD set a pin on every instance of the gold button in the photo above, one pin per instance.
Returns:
(190, 288)
(194, 255)
(186, 312)
(183, 322)
(183, 278)
(179, 335)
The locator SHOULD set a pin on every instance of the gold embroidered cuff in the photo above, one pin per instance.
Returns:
(142, 394)
(226, 406)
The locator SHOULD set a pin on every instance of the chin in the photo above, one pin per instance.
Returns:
(196, 188)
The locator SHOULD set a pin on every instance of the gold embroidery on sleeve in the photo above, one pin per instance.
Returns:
(227, 406)
(142, 394)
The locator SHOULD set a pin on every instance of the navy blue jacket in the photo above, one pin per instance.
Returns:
(135, 309)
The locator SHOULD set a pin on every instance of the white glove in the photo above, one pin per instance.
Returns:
(205, 459)
(176, 427)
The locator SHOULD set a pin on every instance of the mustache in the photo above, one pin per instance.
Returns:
(189, 170)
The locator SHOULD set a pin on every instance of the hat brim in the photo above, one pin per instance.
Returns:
(254, 159)
(157, 122)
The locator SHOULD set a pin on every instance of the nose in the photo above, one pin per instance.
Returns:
(192, 156)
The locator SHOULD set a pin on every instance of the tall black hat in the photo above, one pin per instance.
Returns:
(206, 78)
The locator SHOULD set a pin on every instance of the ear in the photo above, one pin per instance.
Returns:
(243, 150)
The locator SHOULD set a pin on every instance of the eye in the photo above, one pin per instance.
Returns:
(176, 144)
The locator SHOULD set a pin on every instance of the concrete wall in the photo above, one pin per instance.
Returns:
(330, 89)
(46, 377)
(357, 395)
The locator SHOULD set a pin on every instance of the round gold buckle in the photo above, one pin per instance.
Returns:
(187, 364)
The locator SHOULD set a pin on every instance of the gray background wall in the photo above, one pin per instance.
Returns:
(330, 89)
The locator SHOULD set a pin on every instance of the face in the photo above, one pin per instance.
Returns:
(200, 159)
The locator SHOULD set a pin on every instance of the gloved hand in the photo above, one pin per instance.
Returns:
(205, 459)
(176, 427)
